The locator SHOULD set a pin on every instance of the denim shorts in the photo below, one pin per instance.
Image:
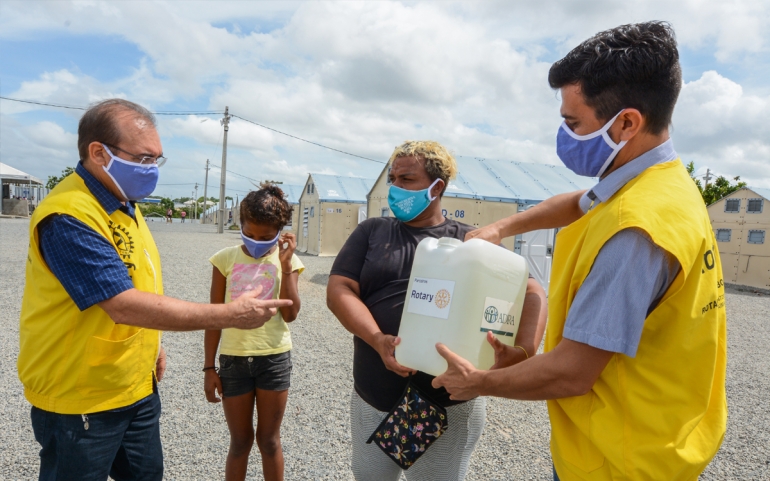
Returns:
(242, 374)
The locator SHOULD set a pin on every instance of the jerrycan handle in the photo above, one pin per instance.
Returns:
(449, 243)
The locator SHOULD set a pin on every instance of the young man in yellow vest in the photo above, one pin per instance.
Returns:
(93, 308)
(635, 352)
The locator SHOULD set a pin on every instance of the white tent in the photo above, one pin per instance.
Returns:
(12, 175)
(15, 184)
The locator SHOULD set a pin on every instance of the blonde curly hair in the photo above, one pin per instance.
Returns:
(439, 162)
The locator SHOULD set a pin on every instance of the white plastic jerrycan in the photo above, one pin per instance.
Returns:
(457, 293)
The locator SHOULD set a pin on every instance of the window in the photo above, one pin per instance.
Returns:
(733, 205)
(754, 206)
(312, 212)
(756, 237)
(312, 188)
(385, 212)
(304, 222)
(308, 188)
(387, 178)
(723, 235)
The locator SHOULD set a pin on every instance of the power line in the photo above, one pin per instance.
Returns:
(234, 173)
(42, 103)
(60, 106)
(170, 112)
(308, 141)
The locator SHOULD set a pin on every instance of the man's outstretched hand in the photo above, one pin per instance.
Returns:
(490, 233)
(248, 311)
(461, 379)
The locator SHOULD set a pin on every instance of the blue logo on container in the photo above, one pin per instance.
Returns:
(490, 314)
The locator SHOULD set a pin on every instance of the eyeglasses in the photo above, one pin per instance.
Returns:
(141, 159)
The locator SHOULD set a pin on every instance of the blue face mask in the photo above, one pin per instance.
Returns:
(588, 155)
(408, 204)
(258, 248)
(135, 181)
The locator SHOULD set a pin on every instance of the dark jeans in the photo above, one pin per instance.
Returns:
(555, 476)
(123, 444)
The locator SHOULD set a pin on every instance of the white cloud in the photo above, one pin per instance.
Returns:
(364, 76)
(719, 126)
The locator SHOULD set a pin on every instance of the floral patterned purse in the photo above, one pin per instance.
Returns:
(412, 426)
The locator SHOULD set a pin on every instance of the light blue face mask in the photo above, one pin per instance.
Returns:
(587, 155)
(258, 249)
(408, 204)
(135, 181)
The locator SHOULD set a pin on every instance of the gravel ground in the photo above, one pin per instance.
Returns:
(315, 430)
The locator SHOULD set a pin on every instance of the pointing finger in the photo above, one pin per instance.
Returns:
(272, 303)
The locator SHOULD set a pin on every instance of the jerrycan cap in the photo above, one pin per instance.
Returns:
(449, 242)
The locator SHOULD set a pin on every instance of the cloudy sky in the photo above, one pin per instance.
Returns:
(360, 77)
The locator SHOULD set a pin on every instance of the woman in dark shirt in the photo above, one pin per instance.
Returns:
(367, 291)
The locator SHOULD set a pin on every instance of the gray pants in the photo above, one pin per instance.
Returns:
(446, 460)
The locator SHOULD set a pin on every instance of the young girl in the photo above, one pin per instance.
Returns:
(255, 365)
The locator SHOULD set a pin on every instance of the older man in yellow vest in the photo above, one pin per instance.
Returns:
(93, 309)
(635, 352)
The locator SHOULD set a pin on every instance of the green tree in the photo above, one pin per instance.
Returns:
(53, 180)
(166, 204)
(714, 191)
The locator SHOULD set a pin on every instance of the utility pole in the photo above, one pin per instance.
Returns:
(205, 193)
(196, 201)
(707, 178)
(226, 124)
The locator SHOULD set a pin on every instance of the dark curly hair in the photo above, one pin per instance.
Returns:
(268, 205)
(630, 66)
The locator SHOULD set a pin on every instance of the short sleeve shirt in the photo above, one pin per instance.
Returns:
(629, 276)
(379, 255)
(245, 273)
(84, 261)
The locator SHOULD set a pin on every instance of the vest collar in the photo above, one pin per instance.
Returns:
(610, 185)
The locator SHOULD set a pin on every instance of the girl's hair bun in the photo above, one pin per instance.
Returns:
(272, 189)
(268, 205)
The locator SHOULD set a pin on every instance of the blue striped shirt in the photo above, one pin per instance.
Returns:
(629, 275)
(85, 263)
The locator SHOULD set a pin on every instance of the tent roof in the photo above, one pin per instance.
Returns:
(293, 192)
(8, 173)
(336, 188)
(509, 181)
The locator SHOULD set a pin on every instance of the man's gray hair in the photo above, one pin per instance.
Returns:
(98, 123)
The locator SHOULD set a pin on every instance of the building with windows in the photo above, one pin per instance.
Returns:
(741, 222)
(330, 207)
(488, 190)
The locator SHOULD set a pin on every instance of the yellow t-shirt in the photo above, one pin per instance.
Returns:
(244, 273)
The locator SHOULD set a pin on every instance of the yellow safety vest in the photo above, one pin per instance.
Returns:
(662, 414)
(74, 362)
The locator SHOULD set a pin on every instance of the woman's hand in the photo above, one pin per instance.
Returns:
(285, 254)
(505, 355)
(211, 385)
(385, 345)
